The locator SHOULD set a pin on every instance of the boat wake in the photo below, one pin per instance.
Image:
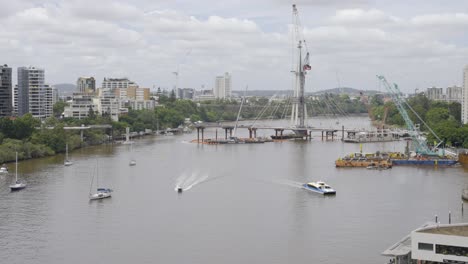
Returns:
(186, 182)
(290, 183)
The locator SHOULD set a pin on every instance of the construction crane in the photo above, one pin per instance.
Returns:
(298, 114)
(421, 146)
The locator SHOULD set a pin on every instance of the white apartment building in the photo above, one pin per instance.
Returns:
(454, 94)
(223, 86)
(435, 93)
(80, 106)
(116, 83)
(33, 95)
(465, 96)
(141, 104)
(107, 103)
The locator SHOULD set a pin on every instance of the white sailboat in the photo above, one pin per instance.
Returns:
(132, 160)
(100, 193)
(18, 185)
(67, 161)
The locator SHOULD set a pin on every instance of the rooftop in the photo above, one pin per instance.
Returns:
(449, 230)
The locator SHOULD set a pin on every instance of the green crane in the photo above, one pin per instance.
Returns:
(420, 143)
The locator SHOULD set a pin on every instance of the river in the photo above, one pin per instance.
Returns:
(241, 204)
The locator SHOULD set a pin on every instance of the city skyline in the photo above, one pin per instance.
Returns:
(349, 42)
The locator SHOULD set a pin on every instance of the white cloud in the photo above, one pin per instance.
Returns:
(360, 17)
(146, 42)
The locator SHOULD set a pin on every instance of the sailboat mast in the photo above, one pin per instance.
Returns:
(16, 167)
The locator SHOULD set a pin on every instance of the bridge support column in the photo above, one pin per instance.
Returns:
(250, 132)
(202, 129)
(81, 135)
(342, 133)
(310, 134)
(322, 135)
(255, 132)
(225, 136)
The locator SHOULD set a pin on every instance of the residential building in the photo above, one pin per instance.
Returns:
(185, 93)
(15, 101)
(116, 83)
(133, 92)
(435, 93)
(5, 91)
(454, 94)
(465, 96)
(80, 106)
(204, 95)
(432, 243)
(34, 96)
(223, 85)
(86, 85)
(107, 104)
(141, 104)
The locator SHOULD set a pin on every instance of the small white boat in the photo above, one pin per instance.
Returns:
(4, 169)
(132, 160)
(319, 187)
(100, 193)
(18, 185)
(67, 162)
(465, 194)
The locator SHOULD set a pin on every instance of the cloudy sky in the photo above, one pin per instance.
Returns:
(417, 44)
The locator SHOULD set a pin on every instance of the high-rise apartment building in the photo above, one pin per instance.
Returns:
(465, 96)
(435, 93)
(34, 96)
(5, 91)
(86, 85)
(115, 83)
(223, 86)
(454, 94)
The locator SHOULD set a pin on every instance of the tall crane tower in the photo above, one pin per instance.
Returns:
(298, 113)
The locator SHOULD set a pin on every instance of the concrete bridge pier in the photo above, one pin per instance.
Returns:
(202, 129)
(280, 130)
(252, 130)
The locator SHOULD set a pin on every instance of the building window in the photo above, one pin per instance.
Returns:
(425, 246)
(452, 250)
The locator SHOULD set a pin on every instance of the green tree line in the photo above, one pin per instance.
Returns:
(444, 118)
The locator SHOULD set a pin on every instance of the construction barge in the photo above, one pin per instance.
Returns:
(389, 159)
(364, 160)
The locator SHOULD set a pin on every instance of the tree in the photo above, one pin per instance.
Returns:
(59, 107)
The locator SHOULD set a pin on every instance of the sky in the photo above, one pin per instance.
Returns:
(416, 44)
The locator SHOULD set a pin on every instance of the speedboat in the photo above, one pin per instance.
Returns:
(101, 194)
(132, 163)
(319, 187)
(67, 163)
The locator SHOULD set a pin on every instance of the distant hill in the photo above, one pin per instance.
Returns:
(270, 93)
(65, 89)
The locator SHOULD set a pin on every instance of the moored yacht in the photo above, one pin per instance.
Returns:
(319, 187)
(101, 194)
(4, 169)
